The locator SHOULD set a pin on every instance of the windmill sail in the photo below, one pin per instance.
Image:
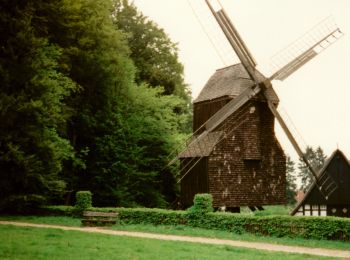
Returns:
(215, 121)
(305, 48)
(326, 185)
(234, 39)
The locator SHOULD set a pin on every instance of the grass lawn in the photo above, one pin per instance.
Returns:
(36, 243)
(188, 231)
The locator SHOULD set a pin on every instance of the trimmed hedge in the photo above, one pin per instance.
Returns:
(83, 200)
(202, 204)
(57, 211)
(330, 228)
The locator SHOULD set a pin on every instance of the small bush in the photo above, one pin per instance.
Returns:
(83, 200)
(202, 203)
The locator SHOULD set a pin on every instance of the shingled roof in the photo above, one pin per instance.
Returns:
(230, 81)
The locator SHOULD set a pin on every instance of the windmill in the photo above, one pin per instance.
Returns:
(234, 117)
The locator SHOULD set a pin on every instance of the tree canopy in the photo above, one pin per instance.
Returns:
(316, 158)
(291, 187)
(92, 97)
(33, 112)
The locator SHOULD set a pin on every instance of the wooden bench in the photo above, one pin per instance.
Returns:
(91, 218)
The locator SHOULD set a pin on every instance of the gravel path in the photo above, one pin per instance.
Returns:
(212, 241)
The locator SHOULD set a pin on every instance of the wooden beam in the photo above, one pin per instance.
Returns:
(290, 136)
(235, 40)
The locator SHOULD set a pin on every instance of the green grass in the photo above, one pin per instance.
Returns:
(188, 231)
(36, 243)
(53, 220)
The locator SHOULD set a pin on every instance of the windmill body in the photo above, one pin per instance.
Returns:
(233, 153)
(242, 163)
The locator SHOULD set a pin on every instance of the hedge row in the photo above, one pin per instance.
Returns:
(279, 226)
(330, 228)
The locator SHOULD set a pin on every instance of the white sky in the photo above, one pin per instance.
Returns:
(316, 97)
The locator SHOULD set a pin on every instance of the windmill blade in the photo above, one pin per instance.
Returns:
(231, 107)
(213, 32)
(325, 183)
(305, 48)
(218, 118)
(220, 135)
(234, 39)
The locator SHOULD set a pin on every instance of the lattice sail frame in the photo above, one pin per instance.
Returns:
(305, 48)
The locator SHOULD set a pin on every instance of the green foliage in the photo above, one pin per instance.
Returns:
(202, 204)
(82, 108)
(291, 187)
(121, 132)
(36, 243)
(154, 54)
(33, 89)
(130, 169)
(328, 228)
(155, 57)
(152, 216)
(83, 200)
(278, 226)
(57, 211)
(316, 158)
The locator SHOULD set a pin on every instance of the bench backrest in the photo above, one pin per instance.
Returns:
(99, 214)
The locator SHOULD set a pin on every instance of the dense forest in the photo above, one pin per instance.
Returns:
(92, 98)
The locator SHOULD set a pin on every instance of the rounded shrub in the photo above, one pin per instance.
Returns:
(83, 200)
(202, 203)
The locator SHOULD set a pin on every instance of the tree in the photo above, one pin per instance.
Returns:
(96, 57)
(33, 114)
(291, 186)
(134, 155)
(154, 55)
(73, 115)
(119, 129)
(316, 158)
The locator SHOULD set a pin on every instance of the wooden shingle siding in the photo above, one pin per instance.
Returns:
(235, 181)
(205, 110)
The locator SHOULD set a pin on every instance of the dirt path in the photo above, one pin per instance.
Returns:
(203, 240)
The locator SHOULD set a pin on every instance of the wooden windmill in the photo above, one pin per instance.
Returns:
(233, 153)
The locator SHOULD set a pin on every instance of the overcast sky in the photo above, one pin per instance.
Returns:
(316, 97)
